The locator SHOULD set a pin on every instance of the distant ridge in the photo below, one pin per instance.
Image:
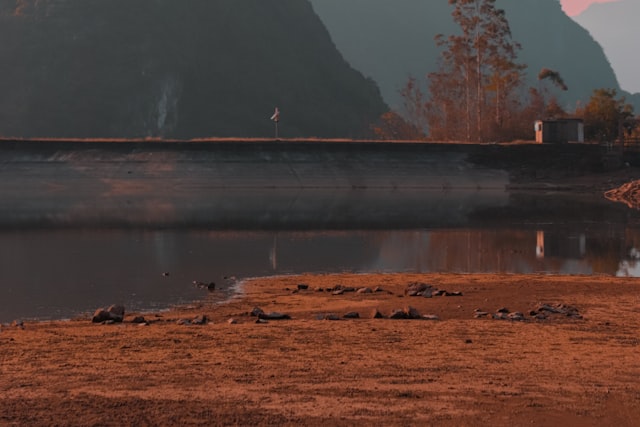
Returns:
(393, 39)
(615, 26)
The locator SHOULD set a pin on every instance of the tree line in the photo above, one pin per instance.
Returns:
(478, 92)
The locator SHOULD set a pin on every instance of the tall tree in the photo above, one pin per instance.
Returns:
(606, 117)
(479, 76)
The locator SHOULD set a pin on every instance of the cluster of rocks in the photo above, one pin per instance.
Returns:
(263, 317)
(111, 314)
(541, 312)
(114, 314)
(210, 286)
(418, 289)
(15, 324)
(407, 313)
(198, 320)
(500, 314)
(340, 289)
(544, 311)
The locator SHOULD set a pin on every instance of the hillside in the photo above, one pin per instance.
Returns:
(395, 39)
(615, 27)
(170, 68)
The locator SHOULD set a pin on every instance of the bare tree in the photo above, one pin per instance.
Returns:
(478, 74)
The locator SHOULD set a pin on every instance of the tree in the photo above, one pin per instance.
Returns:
(479, 76)
(391, 126)
(607, 118)
(554, 76)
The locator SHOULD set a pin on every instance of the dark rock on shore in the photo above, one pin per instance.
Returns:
(260, 314)
(113, 314)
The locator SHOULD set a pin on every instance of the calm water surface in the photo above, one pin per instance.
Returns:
(62, 273)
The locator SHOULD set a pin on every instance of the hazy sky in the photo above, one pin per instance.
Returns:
(575, 7)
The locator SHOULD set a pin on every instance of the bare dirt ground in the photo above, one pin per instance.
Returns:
(579, 370)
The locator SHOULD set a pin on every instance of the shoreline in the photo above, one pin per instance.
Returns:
(458, 370)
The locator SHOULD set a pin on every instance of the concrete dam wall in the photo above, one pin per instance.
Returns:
(267, 184)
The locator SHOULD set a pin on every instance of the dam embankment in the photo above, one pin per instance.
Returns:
(273, 185)
(292, 164)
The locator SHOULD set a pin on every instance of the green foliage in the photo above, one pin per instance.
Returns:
(606, 117)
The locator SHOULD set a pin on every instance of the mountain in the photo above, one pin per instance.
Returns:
(615, 27)
(175, 69)
(395, 39)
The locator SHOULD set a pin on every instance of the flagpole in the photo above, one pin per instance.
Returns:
(276, 119)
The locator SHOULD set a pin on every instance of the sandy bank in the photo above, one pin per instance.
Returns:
(459, 370)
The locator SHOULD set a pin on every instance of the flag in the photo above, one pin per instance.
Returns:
(276, 115)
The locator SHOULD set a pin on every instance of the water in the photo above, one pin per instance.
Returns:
(62, 273)
(81, 230)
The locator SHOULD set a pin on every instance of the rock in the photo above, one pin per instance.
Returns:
(232, 321)
(274, 316)
(454, 294)
(338, 292)
(412, 313)
(319, 289)
(427, 293)
(183, 322)
(376, 314)
(352, 315)
(516, 316)
(138, 319)
(502, 310)
(261, 321)
(481, 314)
(100, 315)
(329, 316)
(430, 317)
(559, 309)
(378, 289)
(416, 289)
(398, 314)
(302, 287)
(18, 323)
(211, 286)
(256, 312)
(364, 291)
(116, 312)
(439, 293)
(200, 320)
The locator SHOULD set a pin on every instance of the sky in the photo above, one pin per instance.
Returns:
(575, 7)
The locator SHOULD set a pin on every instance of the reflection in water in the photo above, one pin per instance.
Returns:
(61, 273)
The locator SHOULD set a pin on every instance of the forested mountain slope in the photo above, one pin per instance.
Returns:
(175, 68)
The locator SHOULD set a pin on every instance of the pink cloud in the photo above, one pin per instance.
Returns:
(576, 7)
